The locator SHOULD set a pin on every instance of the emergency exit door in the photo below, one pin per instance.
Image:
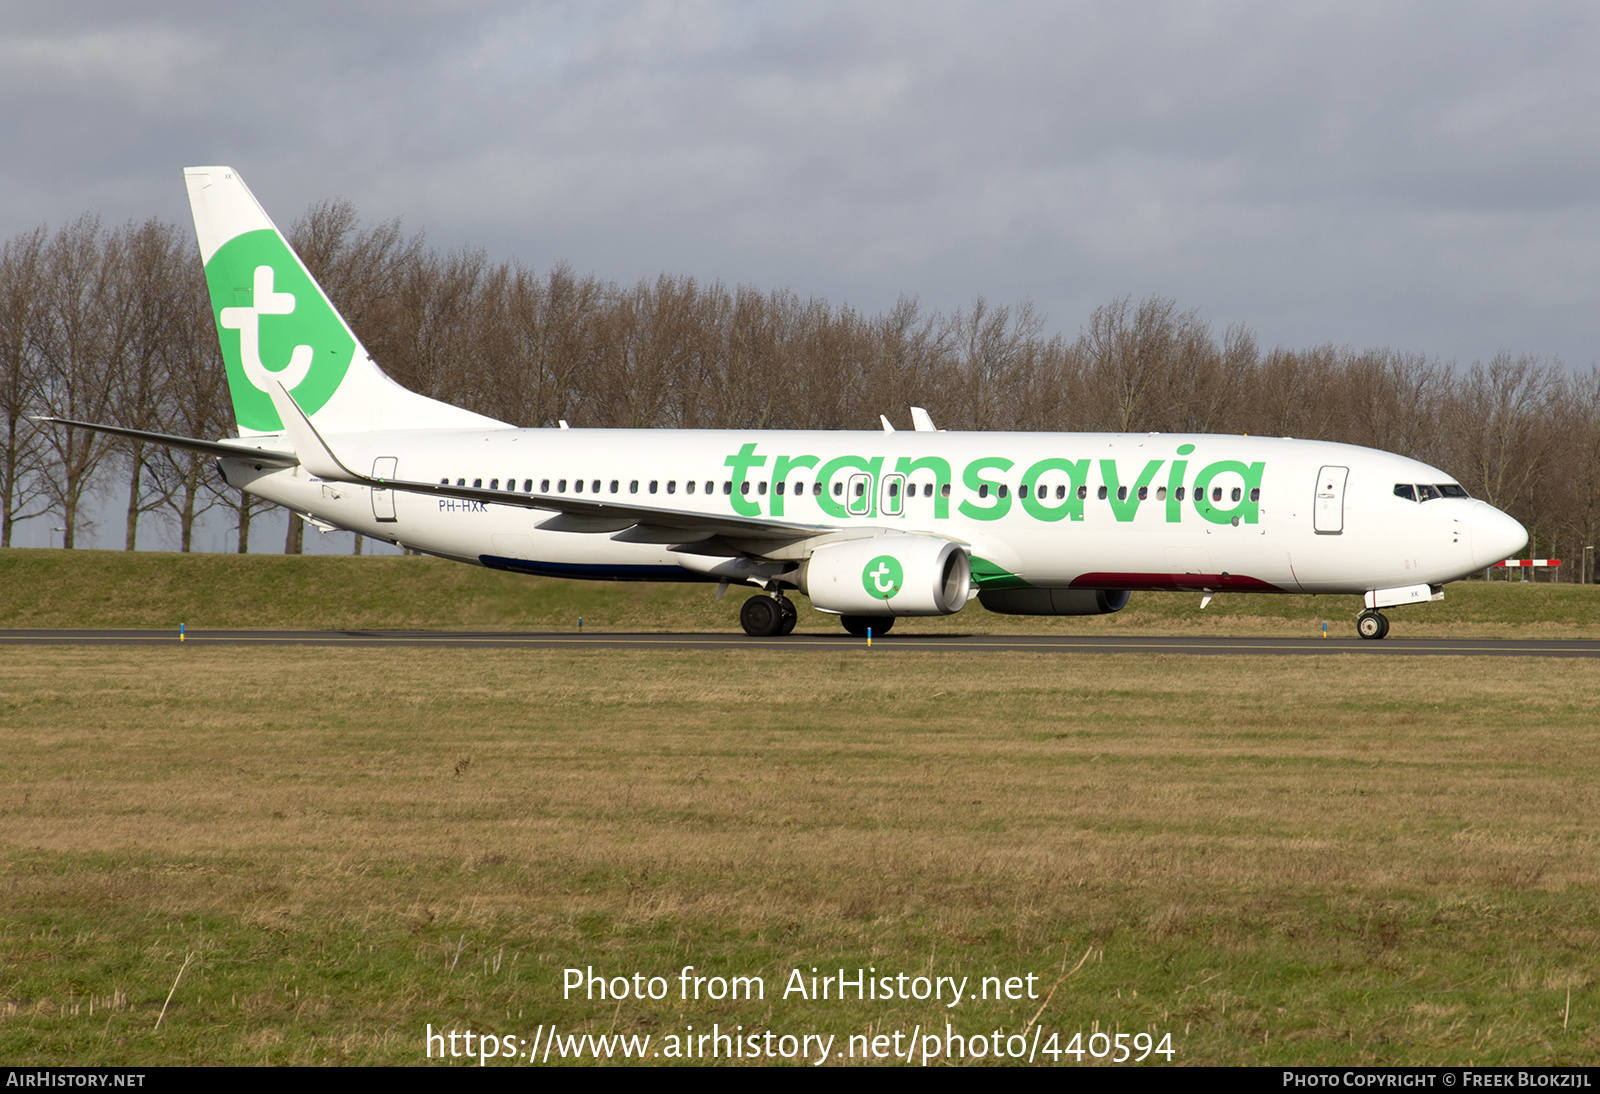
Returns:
(383, 500)
(1328, 511)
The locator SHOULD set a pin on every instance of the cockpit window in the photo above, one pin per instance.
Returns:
(1420, 492)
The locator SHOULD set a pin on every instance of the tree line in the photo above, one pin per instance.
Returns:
(115, 325)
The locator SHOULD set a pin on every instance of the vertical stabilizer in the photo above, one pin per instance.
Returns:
(277, 326)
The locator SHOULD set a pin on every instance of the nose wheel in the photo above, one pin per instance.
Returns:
(1372, 625)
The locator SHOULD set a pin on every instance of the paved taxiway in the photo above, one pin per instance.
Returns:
(801, 643)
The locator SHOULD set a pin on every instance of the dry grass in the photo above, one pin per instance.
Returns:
(1351, 861)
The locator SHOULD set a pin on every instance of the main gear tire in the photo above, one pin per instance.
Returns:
(1372, 625)
(791, 615)
(761, 616)
(858, 625)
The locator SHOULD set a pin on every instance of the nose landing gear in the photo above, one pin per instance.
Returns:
(1372, 625)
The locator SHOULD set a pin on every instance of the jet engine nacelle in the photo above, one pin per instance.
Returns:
(888, 575)
(1054, 601)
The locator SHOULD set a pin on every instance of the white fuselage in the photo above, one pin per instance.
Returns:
(1054, 510)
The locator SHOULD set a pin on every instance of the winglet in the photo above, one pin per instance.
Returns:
(314, 454)
(922, 420)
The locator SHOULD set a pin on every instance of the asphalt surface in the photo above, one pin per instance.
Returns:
(985, 643)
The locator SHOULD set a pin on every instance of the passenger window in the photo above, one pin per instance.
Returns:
(1022, 491)
(544, 486)
(779, 488)
(816, 489)
(688, 487)
(527, 486)
(1216, 493)
(861, 488)
(1236, 494)
(672, 486)
(1102, 494)
(444, 482)
(1144, 492)
(595, 488)
(652, 486)
(1122, 493)
(1180, 493)
(577, 486)
(1061, 492)
(944, 490)
(1161, 493)
(561, 486)
(633, 487)
(727, 487)
(1255, 493)
(461, 482)
(894, 490)
(1083, 492)
(927, 490)
(983, 491)
(744, 488)
(1002, 491)
(477, 484)
(838, 489)
(494, 484)
(711, 487)
(761, 488)
(614, 485)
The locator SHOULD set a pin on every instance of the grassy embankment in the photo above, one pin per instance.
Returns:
(42, 588)
(1385, 860)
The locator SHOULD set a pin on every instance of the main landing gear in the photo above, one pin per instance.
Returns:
(768, 616)
(859, 625)
(1372, 625)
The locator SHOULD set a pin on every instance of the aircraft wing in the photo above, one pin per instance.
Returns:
(644, 524)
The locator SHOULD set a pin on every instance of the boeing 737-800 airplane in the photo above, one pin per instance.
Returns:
(869, 525)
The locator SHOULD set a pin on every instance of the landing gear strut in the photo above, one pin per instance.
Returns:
(1372, 625)
(765, 616)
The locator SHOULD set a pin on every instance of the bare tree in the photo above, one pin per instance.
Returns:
(20, 283)
(85, 329)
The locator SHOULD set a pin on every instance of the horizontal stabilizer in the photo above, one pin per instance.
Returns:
(258, 450)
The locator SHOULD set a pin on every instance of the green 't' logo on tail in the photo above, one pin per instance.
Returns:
(275, 327)
(882, 577)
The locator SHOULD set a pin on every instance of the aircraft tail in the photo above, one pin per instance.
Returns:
(277, 326)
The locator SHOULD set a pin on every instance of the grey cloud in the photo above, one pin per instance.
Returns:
(1415, 175)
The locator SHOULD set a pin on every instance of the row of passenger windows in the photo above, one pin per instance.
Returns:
(1236, 494)
(1420, 492)
(596, 486)
(797, 488)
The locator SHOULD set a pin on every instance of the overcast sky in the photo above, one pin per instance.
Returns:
(1422, 176)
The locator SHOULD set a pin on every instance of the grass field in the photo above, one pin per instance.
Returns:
(46, 588)
(1350, 860)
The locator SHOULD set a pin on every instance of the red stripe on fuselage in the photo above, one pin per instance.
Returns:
(1238, 583)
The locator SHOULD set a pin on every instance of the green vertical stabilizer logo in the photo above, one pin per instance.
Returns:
(275, 327)
(882, 577)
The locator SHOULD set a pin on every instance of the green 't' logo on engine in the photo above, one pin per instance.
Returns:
(883, 577)
(276, 328)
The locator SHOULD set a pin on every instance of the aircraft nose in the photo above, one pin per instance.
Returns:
(1495, 535)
